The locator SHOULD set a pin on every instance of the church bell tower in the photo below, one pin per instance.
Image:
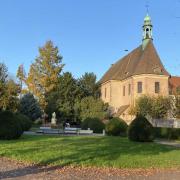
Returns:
(147, 30)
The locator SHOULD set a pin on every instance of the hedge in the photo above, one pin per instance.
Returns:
(167, 133)
(12, 125)
(140, 130)
(116, 127)
(94, 124)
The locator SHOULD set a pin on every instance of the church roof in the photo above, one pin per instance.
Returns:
(139, 61)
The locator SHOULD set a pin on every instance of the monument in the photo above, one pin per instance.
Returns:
(53, 119)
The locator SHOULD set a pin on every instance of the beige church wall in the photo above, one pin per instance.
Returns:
(127, 98)
(148, 85)
(106, 87)
(114, 93)
(116, 99)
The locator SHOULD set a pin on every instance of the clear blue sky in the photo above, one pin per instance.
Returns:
(91, 34)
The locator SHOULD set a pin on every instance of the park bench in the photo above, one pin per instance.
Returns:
(69, 130)
(49, 130)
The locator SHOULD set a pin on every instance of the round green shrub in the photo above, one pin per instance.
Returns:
(94, 124)
(140, 130)
(10, 126)
(116, 127)
(26, 123)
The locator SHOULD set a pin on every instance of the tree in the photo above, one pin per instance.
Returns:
(160, 107)
(3, 73)
(21, 75)
(30, 107)
(89, 107)
(44, 73)
(175, 106)
(155, 107)
(88, 85)
(3, 79)
(143, 106)
(63, 99)
(9, 96)
(9, 91)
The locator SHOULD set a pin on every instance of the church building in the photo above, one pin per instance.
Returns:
(139, 72)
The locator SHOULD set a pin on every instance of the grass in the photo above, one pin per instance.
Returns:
(90, 151)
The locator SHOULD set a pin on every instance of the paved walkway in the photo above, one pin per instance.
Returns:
(10, 169)
(169, 143)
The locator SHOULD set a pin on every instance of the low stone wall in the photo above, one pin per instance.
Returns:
(168, 123)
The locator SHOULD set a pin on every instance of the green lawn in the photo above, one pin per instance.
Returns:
(90, 151)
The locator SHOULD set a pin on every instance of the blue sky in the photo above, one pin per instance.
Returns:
(91, 34)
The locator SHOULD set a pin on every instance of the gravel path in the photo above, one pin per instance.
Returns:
(10, 169)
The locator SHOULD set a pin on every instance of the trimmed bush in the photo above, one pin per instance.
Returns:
(167, 133)
(26, 123)
(94, 124)
(140, 130)
(116, 127)
(10, 126)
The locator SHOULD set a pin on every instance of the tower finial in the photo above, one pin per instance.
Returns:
(147, 7)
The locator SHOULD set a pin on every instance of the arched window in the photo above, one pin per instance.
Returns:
(139, 87)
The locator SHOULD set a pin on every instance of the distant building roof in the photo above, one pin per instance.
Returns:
(174, 82)
(139, 61)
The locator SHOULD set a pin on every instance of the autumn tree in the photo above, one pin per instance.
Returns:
(44, 73)
(21, 75)
(3, 73)
(9, 91)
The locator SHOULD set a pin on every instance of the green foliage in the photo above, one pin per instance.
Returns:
(89, 107)
(25, 122)
(160, 107)
(116, 127)
(94, 124)
(88, 85)
(66, 101)
(10, 126)
(167, 133)
(29, 106)
(144, 105)
(63, 99)
(68, 93)
(140, 130)
(155, 107)
(177, 106)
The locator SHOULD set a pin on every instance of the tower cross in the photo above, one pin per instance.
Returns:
(147, 7)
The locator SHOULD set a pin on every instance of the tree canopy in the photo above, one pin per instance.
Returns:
(44, 73)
